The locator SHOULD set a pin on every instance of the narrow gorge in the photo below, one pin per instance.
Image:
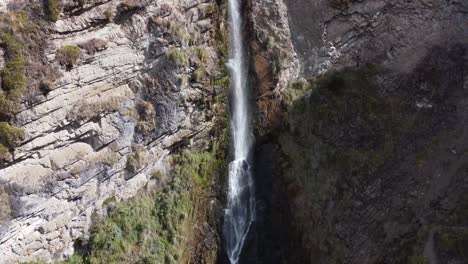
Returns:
(234, 131)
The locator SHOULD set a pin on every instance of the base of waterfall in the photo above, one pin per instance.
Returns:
(241, 213)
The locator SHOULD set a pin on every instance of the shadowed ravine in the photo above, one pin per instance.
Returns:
(240, 210)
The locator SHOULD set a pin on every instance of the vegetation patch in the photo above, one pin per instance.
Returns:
(10, 137)
(198, 74)
(108, 14)
(183, 34)
(68, 55)
(53, 8)
(25, 72)
(147, 114)
(138, 159)
(179, 56)
(152, 227)
(13, 73)
(88, 110)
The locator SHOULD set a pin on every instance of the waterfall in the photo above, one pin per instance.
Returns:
(240, 209)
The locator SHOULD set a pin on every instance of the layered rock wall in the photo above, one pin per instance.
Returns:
(111, 120)
(375, 105)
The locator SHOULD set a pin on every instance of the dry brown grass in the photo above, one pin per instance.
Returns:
(94, 45)
(88, 110)
(5, 210)
(137, 159)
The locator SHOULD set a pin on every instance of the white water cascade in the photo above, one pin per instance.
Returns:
(240, 210)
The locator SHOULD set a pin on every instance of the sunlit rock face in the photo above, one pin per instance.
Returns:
(112, 118)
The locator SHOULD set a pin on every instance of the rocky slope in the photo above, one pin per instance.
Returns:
(372, 140)
(146, 81)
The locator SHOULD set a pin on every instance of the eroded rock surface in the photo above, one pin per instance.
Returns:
(372, 140)
(133, 89)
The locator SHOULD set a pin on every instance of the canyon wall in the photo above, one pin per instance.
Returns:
(147, 80)
(368, 130)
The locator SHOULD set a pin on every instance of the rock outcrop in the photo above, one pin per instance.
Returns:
(142, 87)
(372, 141)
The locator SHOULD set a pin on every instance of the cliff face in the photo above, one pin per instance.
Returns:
(371, 137)
(361, 153)
(146, 80)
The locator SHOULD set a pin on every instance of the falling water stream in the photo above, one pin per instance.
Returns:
(240, 209)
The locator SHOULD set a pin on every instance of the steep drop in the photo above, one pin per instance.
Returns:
(240, 210)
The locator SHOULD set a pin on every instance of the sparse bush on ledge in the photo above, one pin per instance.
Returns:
(46, 86)
(179, 56)
(146, 117)
(68, 55)
(108, 14)
(202, 54)
(53, 9)
(198, 74)
(138, 159)
(10, 136)
(7, 108)
(4, 153)
(88, 110)
(24, 40)
(13, 73)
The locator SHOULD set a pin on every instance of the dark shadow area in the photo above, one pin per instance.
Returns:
(375, 161)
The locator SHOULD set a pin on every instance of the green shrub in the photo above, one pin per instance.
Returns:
(157, 175)
(10, 136)
(75, 259)
(198, 74)
(180, 57)
(152, 227)
(181, 32)
(197, 166)
(7, 107)
(53, 9)
(14, 48)
(223, 81)
(68, 55)
(13, 75)
(202, 54)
